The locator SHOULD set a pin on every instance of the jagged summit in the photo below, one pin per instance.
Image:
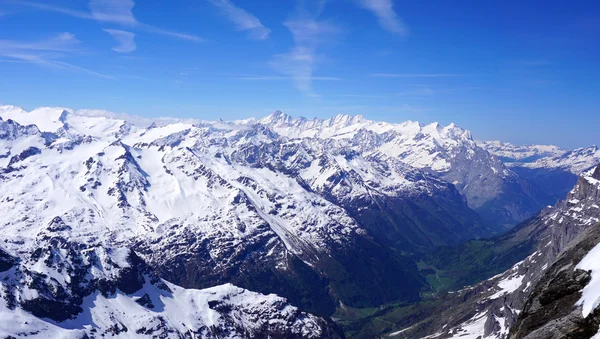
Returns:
(444, 151)
(50, 119)
(279, 118)
(594, 173)
(276, 117)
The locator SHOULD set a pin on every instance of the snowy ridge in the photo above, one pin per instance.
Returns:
(544, 156)
(66, 291)
(448, 152)
(421, 146)
(590, 299)
(118, 181)
(575, 161)
(513, 153)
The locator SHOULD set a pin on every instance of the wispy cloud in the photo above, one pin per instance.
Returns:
(243, 20)
(62, 42)
(309, 33)
(39, 60)
(109, 11)
(416, 75)
(116, 11)
(46, 53)
(12, 61)
(386, 16)
(125, 40)
(160, 31)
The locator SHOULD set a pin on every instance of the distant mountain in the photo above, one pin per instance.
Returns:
(547, 157)
(510, 153)
(551, 169)
(576, 161)
(449, 153)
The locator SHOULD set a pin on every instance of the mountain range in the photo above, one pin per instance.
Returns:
(128, 226)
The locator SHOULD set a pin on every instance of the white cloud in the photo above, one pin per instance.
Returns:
(62, 42)
(46, 53)
(39, 60)
(243, 20)
(386, 16)
(113, 11)
(160, 31)
(301, 61)
(117, 11)
(126, 43)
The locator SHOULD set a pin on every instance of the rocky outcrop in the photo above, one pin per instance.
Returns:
(552, 309)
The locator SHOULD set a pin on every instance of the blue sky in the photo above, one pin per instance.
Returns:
(510, 70)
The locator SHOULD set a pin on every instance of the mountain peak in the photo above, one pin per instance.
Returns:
(346, 120)
(276, 117)
(596, 173)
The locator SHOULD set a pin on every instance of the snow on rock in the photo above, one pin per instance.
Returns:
(508, 285)
(448, 152)
(590, 298)
(471, 329)
(575, 161)
(513, 153)
(116, 294)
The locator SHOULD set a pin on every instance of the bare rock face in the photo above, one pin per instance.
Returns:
(552, 309)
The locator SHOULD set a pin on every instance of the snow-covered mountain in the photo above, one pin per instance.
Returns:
(322, 212)
(449, 153)
(75, 199)
(316, 220)
(576, 161)
(510, 153)
(551, 169)
(546, 157)
(69, 290)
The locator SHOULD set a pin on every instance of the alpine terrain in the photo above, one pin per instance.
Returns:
(116, 225)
